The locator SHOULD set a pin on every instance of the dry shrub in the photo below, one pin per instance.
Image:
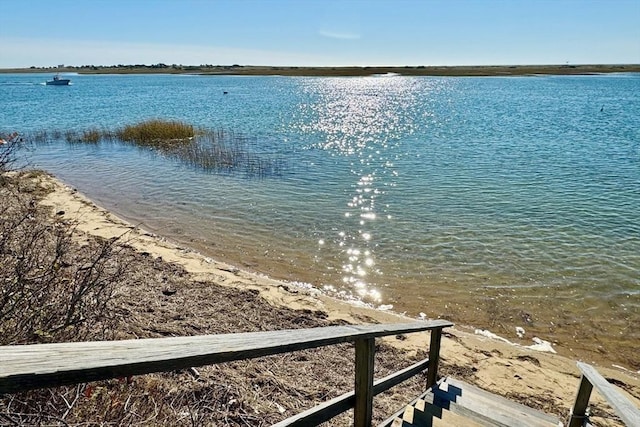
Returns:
(8, 148)
(51, 288)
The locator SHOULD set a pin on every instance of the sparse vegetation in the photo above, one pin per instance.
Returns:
(205, 149)
(224, 151)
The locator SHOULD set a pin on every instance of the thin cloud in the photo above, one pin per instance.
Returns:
(339, 35)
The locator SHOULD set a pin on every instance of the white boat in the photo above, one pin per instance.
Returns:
(57, 81)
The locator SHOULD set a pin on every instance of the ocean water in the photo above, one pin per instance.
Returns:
(494, 202)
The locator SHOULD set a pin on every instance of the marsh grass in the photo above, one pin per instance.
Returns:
(92, 136)
(156, 131)
(214, 151)
(225, 152)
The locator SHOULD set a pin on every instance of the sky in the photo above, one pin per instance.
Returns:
(318, 32)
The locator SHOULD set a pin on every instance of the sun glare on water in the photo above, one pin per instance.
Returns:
(362, 119)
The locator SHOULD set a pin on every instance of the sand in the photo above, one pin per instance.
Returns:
(541, 379)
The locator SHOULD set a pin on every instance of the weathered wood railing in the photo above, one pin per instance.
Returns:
(28, 367)
(627, 412)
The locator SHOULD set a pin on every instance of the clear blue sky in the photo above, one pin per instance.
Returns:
(318, 32)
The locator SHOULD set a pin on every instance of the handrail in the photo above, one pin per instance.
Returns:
(324, 412)
(622, 406)
(26, 367)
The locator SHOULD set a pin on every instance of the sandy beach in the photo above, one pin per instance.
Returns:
(540, 379)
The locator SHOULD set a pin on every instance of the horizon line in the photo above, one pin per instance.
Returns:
(175, 65)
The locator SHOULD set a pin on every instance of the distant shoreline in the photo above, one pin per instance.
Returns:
(250, 70)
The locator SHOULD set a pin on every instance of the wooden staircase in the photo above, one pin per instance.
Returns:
(454, 403)
(447, 402)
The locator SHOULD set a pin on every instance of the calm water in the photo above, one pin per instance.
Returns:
(496, 202)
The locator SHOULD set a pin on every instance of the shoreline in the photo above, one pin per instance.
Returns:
(497, 366)
(574, 333)
(434, 71)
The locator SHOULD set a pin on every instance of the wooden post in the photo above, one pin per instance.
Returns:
(434, 357)
(577, 416)
(365, 356)
(622, 406)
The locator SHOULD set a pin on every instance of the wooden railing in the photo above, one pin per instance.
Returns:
(622, 406)
(28, 367)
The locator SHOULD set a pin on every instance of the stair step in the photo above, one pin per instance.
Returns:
(489, 408)
(455, 403)
(449, 419)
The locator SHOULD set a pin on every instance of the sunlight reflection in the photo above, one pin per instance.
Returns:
(352, 115)
(363, 118)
